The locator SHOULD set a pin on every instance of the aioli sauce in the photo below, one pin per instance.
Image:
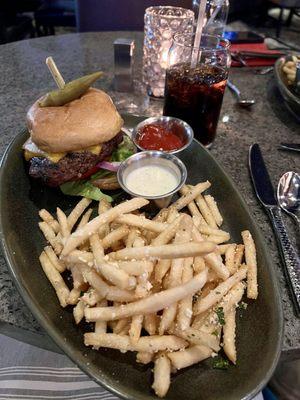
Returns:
(159, 137)
(151, 180)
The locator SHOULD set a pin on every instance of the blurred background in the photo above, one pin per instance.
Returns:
(22, 19)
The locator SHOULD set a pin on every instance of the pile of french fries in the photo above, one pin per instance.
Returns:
(166, 288)
(289, 68)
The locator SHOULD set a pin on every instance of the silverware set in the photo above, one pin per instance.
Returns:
(287, 199)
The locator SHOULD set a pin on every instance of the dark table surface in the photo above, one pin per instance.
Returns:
(24, 77)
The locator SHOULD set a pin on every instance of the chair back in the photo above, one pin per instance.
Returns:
(114, 15)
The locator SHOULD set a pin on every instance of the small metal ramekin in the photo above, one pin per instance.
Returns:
(153, 158)
(181, 128)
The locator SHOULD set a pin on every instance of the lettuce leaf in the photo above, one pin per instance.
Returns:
(125, 149)
(84, 189)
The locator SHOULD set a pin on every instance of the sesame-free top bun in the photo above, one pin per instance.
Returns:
(90, 120)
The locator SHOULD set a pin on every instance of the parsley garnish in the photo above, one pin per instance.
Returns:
(215, 333)
(220, 363)
(243, 305)
(220, 315)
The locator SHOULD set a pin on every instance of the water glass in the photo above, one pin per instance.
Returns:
(161, 24)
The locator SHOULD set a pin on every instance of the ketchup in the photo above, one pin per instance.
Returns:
(158, 137)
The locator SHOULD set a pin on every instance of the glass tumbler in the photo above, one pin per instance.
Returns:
(194, 93)
(161, 24)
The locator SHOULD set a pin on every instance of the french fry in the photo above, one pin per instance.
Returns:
(230, 259)
(116, 276)
(150, 304)
(185, 306)
(213, 207)
(135, 268)
(250, 257)
(135, 328)
(168, 233)
(79, 257)
(216, 294)
(78, 281)
(221, 249)
(161, 268)
(212, 259)
(218, 239)
(55, 279)
(63, 223)
(133, 234)
(148, 344)
(111, 238)
(209, 320)
(78, 311)
(101, 326)
(77, 211)
(150, 323)
(175, 276)
(104, 290)
(121, 324)
(98, 251)
(48, 218)
(91, 297)
(162, 375)
(198, 264)
(91, 227)
(229, 334)
(169, 251)
(238, 257)
(192, 355)
(141, 222)
(205, 211)
(191, 195)
(144, 357)
(85, 218)
(50, 237)
(74, 296)
(207, 230)
(199, 337)
(193, 208)
(58, 264)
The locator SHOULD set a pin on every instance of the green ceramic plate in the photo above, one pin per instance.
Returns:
(259, 328)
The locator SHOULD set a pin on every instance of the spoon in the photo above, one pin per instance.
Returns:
(288, 195)
(240, 101)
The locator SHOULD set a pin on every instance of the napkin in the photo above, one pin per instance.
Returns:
(253, 61)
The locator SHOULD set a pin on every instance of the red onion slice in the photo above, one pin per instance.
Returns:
(110, 166)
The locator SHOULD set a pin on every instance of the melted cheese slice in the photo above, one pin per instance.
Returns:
(31, 150)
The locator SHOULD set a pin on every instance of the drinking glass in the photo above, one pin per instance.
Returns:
(215, 18)
(161, 24)
(194, 93)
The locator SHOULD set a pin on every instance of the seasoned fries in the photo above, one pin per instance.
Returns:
(166, 288)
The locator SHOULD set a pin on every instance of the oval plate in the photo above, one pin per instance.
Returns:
(259, 328)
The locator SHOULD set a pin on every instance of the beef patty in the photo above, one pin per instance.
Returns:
(71, 167)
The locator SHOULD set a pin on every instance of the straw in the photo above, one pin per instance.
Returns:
(196, 53)
(214, 14)
(59, 80)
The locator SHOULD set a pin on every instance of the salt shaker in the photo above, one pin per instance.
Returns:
(123, 57)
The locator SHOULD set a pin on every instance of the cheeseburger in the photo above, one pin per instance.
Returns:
(68, 142)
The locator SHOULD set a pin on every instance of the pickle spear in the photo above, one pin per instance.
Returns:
(71, 91)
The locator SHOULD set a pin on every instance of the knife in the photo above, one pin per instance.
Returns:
(289, 146)
(266, 195)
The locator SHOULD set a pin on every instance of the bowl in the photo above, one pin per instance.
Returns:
(292, 101)
(179, 127)
(153, 158)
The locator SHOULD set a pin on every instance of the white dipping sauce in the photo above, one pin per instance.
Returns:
(151, 180)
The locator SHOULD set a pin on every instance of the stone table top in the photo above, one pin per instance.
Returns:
(24, 77)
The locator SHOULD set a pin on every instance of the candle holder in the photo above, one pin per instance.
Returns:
(161, 24)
